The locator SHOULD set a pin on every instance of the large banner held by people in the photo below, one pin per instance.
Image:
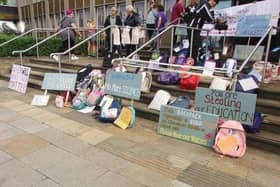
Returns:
(193, 126)
(122, 84)
(228, 105)
(249, 20)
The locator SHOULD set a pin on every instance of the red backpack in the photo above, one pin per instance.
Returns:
(189, 82)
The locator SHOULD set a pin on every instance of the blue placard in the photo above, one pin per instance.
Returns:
(125, 85)
(193, 126)
(59, 81)
(228, 105)
(253, 25)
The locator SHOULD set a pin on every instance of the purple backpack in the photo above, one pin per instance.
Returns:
(168, 78)
(258, 120)
(181, 61)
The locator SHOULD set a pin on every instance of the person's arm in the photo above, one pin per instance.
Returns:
(119, 21)
(159, 22)
(75, 28)
(107, 22)
(206, 13)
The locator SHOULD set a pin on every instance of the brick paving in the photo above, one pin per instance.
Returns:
(60, 147)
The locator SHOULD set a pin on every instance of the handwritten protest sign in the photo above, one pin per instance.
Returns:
(59, 81)
(241, 52)
(193, 126)
(19, 78)
(228, 105)
(121, 84)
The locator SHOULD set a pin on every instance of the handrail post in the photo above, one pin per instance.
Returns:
(97, 47)
(21, 60)
(207, 39)
(69, 54)
(191, 48)
(172, 40)
(111, 40)
(267, 53)
(59, 63)
(37, 48)
(235, 77)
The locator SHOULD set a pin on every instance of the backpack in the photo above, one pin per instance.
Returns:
(259, 66)
(258, 120)
(84, 72)
(168, 78)
(230, 65)
(180, 60)
(230, 139)
(182, 102)
(161, 98)
(133, 117)
(189, 82)
(79, 101)
(107, 60)
(146, 82)
(124, 119)
(94, 96)
(109, 114)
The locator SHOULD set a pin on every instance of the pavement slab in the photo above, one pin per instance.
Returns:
(21, 145)
(16, 174)
(94, 136)
(29, 125)
(4, 157)
(7, 131)
(7, 115)
(47, 183)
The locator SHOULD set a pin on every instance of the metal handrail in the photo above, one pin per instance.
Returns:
(23, 34)
(161, 33)
(39, 43)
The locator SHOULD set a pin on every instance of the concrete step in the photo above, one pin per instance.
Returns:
(268, 140)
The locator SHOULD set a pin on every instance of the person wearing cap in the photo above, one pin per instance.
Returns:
(68, 21)
(112, 19)
(204, 13)
(132, 20)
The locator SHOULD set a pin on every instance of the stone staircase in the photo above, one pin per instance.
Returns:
(268, 101)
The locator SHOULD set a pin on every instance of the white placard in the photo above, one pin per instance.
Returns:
(19, 78)
(248, 84)
(209, 68)
(40, 100)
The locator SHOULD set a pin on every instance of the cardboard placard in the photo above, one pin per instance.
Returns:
(122, 84)
(193, 126)
(241, 52)
(59, 81)
(19, 78)
(40, 100)
(228, 105)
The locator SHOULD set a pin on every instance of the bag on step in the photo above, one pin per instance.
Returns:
(94, 96)
(168, 78)
(230, 139)
(247, 89)
(84, 72)
(189, 82)
(110, 109)
(79, 101)
(182, 102)
(258, 120)
(161, 98)
(259, 66)
(107, 59)
(146, 81)
(133, 117)
(219, 84)
(124, 120)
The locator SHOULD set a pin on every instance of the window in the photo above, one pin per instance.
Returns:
(108, 9)
(100, 16)
(139, 7)
(80, 17)
(122, 11)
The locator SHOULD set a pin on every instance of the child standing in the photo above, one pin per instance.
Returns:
(92, 42)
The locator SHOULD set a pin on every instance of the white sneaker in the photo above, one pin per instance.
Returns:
(74, 57)
(55, 57)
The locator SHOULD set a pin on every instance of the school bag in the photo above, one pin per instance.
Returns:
(239, 87)
(84, 72)
(168, 78)
(258, 120)
(124, 119)
(133, 117)
(230, 66)
(146, 81)
(79, 101)
(161, 98)
(109, 114)
(94, 96)
(182, 102)
(230, 139)
(107, 59)
(259, 66)
(189, 82)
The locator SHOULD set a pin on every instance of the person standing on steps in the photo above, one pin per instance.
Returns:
(92, 42)
(151, 19)
(202, 14)
(176, 14)
(113, 19)
(68, 21)
(132, 20)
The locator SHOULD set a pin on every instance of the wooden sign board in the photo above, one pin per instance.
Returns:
(228, 105)
(122, 84)
(19, 78)
(59, 81)
(193, 126)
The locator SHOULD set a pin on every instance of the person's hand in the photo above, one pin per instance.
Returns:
(218, 20)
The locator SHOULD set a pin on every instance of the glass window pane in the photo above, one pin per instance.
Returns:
(122, 11)
(100, 16)
(139, 7)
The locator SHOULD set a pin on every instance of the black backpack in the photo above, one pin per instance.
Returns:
(107, 60)
(84, 72)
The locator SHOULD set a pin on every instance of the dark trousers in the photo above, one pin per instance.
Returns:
(150, 30)
(129, 49)
(196, 43)
(115, 48)
(64, 46)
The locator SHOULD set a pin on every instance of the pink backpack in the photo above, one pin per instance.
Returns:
(230, 139)
(94, 96)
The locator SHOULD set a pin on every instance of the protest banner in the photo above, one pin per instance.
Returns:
(59, 81)
(19, 78)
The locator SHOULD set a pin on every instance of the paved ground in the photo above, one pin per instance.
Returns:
(61, 147)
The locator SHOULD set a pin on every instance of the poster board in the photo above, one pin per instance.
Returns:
(19, 78)
(241, 52)
(228, 105)
(193, 126)
(126, 85)
(40, 100)
(59, 81)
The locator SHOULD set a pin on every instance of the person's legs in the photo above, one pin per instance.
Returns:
(196, 45)
(128, 47)
(93, 48)
(72, 44)
(64, 46)
(89, 48)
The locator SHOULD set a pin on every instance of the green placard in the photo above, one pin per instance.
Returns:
(228, 105)
(59, 81)
(193, 126)
(121, 84)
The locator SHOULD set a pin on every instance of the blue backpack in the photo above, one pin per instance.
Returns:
(182, 102)
(168, 78)
(258, 120)
(105, 118)
(133, 118)
(239, 87)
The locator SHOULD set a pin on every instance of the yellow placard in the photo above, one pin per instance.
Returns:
(124, 118)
